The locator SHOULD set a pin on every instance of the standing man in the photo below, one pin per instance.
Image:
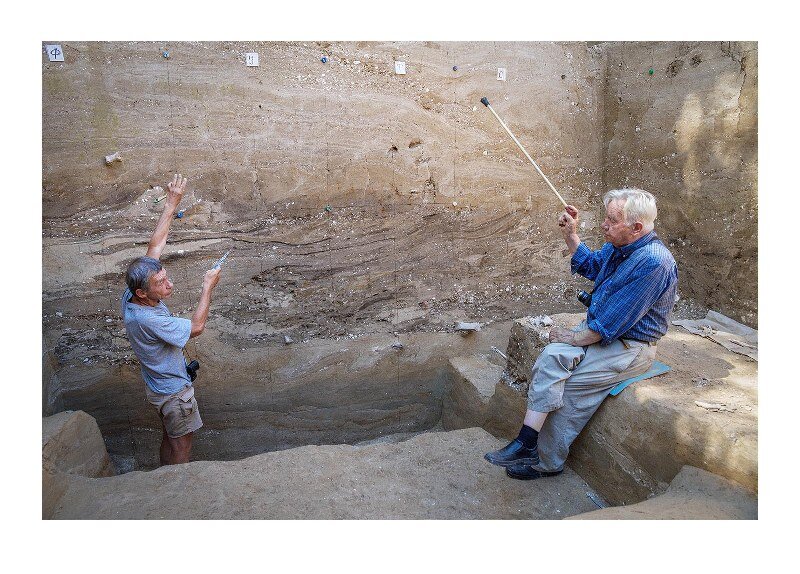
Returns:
(158, 338)
(635, 283)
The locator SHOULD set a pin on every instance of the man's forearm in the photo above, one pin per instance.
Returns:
(159, 238)
(585, 337)
(574, 338)
(201, 313)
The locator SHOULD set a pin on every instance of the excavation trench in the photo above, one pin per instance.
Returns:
(242, 422)
(257, 400)
(261, 399)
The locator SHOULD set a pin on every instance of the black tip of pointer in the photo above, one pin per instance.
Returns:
(485, 102)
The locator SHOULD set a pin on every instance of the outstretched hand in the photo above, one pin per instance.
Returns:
(175, 189)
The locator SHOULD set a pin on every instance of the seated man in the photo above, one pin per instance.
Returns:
(158, 338)
(635, 283)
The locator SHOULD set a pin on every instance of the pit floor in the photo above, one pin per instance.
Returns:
(434, 475)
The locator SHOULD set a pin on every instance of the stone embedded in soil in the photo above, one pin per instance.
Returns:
(71, 446)
(472, 385)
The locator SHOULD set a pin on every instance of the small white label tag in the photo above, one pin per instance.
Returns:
(54, 52)
(251, 58)
(399, 67)
(501, 74)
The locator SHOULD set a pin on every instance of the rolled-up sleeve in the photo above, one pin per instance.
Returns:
(587, 262)
(615, 314)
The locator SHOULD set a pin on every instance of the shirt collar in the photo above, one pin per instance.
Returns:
(626, 250)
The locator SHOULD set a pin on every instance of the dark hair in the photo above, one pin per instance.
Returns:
(139, 273)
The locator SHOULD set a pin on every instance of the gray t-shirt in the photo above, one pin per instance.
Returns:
(158, 339)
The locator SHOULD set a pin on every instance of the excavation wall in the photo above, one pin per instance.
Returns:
(357, 202)
(363, 205)
(689, 132)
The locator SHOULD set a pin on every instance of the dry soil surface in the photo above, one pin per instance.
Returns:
(431, 476)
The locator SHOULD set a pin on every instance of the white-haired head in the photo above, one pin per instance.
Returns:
(637, 205)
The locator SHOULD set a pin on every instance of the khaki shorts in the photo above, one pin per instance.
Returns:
(179, 412)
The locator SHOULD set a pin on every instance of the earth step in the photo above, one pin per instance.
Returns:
(473, 383)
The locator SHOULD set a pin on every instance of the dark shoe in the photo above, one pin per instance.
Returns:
(524, 471)
(513, 452)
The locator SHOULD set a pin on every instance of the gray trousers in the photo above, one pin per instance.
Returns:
(570, 382)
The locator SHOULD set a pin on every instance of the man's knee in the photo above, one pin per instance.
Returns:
(560, 350)
(182, 445)
(553, 366)
(560, 356)
(556, 348)
(184, 442)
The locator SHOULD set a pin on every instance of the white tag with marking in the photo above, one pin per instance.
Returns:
(54, 52)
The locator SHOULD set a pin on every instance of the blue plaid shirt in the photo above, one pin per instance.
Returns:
(635, 288)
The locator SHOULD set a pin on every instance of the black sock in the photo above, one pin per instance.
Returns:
(528, 436)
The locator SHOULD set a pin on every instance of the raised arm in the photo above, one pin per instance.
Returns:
(568, 222)
(584, 261)
(210, 281)
(175, 190)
